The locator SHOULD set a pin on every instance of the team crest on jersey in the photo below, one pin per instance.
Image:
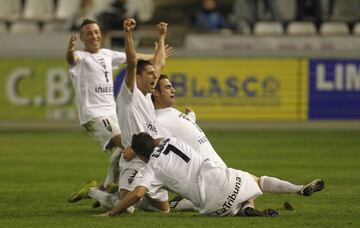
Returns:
(132, 177)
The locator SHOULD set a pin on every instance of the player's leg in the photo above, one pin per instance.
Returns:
(113, 170)
(107, 132)
(149, 204)
(105, 199)
(275, 185)
(181, 204)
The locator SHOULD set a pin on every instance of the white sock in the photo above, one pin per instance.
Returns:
(113, 171)
(145, 204)
(185, 205)
(275, 185)
(106, 200)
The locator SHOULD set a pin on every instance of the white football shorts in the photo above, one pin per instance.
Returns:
(130, 176)
(224, 193)
(103, 129)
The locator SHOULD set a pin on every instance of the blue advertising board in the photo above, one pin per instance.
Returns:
(334, 89)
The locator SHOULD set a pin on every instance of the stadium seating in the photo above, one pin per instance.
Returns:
(10, 10)
(268, 28)
(54, 27)
(346, 10)
(24, 27)
(334, 28)
(287, 9)
(66, 9)
(101, 5)
(40, 10)
(301, 28)
(3, 28)
(356, 30)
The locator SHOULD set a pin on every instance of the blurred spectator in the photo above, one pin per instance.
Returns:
(331, 4)
(89, 9)
(141, 10)
(253, 15)
(112, 17)
(209, 19)
(309, 9)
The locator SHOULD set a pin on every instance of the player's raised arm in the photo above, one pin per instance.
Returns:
(71, 58)
(160, 54)
(130, 77)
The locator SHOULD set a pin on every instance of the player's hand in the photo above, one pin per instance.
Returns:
(162, 27)
(129, 24)
(169, 51)
(72, 43)
(128, 154)
(188, 110)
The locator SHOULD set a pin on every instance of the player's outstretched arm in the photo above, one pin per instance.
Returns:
(130, 77)
(169, 51)
(160, 54)
(129, 199)
(71, 58)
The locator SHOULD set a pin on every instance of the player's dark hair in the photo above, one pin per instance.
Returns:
(87, 21)
(157, 87)
(141, 64)
(143, 144)
(162, 76)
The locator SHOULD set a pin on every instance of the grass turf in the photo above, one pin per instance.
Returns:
(39, 170)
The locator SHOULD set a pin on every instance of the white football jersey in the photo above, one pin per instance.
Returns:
(173, 166)
(177, 167)
(92, 79)
(136, 113)
(172, 123)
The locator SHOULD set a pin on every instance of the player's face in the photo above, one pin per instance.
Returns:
(166, 96)
(91, 36)
(146, 81)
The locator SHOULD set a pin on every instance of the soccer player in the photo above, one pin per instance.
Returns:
(91, 74)
(136, 114)
(174, 165)
(172, 123)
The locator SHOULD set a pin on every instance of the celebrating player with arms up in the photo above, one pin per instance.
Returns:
(136, 114)
(174, 165)
(91, 74)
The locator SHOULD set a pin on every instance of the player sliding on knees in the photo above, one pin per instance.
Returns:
(215, 190)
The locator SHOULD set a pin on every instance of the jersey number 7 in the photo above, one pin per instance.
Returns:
(177, 152)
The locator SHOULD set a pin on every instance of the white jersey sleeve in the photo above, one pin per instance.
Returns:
(125, 95)
(118, 58)
(74, 69)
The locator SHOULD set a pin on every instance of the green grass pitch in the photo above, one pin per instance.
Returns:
(38, 170)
